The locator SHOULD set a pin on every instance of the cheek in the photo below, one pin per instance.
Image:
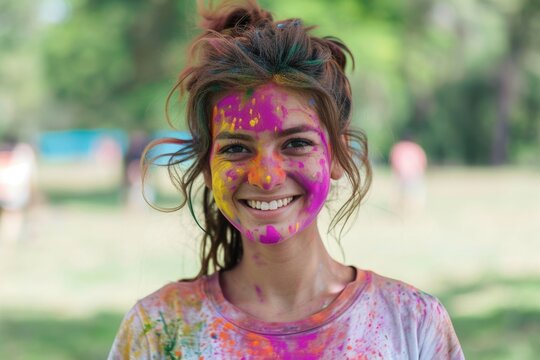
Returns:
(225, 177)
(314, 176)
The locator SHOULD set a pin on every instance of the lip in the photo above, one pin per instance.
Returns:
(268, 198)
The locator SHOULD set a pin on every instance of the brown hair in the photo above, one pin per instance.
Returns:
(242, 48)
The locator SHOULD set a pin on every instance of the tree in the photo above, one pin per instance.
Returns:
(111, 63)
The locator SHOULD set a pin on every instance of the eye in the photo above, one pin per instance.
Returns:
(235, 148)
(297, 144)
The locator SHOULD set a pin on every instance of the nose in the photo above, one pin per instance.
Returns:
(266, 172)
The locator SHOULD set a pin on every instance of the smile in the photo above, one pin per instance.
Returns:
(268, 206)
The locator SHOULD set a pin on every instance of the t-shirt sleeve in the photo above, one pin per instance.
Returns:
(438, 339)
(131, 341)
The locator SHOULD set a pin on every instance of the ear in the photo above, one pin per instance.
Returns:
(336, 170)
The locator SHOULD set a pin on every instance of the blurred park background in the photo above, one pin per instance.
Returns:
(83, 86)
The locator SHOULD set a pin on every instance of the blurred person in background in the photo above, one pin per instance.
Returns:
(409, 162)
(17, 170)
(132, 172)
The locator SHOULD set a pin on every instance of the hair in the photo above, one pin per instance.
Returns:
(242, 47)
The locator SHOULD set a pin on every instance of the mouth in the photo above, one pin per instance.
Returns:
(269, 205)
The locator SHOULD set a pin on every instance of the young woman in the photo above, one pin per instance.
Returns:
(269, 111)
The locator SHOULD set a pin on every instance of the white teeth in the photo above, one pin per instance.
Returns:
(272, 205)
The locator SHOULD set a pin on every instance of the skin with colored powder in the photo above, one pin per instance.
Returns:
(269, 145)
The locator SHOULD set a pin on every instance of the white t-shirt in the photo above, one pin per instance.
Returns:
(373, 318)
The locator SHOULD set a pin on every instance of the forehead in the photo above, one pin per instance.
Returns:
(265, 108)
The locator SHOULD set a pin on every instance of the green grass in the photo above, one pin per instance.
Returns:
(32, 337)
(510, 330)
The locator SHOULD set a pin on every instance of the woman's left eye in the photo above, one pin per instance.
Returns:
(297, 144)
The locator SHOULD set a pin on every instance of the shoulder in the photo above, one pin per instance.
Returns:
(156, 320)
(402, 296)
(175, 294)
(418, 316)
(181, 300)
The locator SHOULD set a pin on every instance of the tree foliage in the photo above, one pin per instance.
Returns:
(461, 77)
(112, 62)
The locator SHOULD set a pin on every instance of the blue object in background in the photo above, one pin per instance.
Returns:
(76, 144)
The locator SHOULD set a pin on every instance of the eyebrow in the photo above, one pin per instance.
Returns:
(290, 131)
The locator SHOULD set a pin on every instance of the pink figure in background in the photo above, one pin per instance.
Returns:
(409, 163)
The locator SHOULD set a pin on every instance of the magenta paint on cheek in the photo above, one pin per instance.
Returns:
(272, 236)
(316, 189)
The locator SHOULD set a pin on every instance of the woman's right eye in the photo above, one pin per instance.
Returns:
(233, 149)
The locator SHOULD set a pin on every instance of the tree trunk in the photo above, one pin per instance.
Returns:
(505, 96)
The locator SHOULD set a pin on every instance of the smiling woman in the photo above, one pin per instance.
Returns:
(269, 113)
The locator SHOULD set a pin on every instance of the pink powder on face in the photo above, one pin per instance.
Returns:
(257, 113)
(317, 190)
(272, 236)
(260, 115)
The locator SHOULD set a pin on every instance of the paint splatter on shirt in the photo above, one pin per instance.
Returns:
(373, 318)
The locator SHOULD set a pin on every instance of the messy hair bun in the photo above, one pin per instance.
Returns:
(233, 17)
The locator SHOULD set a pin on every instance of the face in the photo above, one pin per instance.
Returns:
(270, 164)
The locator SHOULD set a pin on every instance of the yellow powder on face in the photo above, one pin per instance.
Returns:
(253, 122)
(220, 188)
(268, 179)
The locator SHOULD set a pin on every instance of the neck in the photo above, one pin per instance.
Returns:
(287, 281)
